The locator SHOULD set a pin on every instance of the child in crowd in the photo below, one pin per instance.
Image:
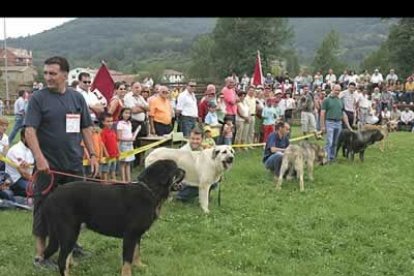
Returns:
(125, 138)
(212, 122)
(269, 118)
(228, 132)
(208, 141)
(98, 144)
(110, 141)
(4, 140)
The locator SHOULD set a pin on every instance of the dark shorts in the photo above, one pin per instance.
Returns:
(161, 129)
(42, 181)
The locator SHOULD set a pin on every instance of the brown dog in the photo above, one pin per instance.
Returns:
(385, 130)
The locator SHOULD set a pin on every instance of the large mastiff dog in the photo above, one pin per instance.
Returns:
(296, 157)
(118, 210)
(203, 168)
(356, 142)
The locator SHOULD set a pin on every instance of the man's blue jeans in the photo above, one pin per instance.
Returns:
(18, 124)
(187, 124)
(333, 129)
(17, 189)
(274, 162)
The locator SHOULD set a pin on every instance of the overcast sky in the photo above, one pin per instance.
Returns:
(16, 26)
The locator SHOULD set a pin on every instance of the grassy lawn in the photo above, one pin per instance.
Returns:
(353, 220)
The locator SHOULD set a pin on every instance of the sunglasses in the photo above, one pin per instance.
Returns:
(87, 82)
(121, 88)
(145, 91)
(192, 85)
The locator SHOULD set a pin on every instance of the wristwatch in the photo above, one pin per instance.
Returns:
(92, 154)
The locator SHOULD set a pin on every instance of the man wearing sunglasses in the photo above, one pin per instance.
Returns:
(94, 104)
(187, 109)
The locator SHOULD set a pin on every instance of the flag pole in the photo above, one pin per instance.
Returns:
(5, 65)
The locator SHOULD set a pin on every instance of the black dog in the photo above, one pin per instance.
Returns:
(119, 210)
(357, 142)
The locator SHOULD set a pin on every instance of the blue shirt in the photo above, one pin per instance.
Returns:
(275, 141)
(211, 119)
(270, 114)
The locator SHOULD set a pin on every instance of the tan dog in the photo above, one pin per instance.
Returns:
(385, 130)
(296, 157)
(203, 168)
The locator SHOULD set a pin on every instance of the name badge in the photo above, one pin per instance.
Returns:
(73, 123)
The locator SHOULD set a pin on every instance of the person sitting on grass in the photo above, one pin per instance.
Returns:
(20, 176)
(276, 145)
(194, 144)
(4, 140)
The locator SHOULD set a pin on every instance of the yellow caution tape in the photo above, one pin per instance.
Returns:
(263, 144)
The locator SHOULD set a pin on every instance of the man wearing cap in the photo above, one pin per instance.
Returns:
(187, 109)
(209, 96)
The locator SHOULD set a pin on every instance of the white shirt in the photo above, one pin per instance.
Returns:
(391, 77)
(386, 115)
(330, 79)
(243, 109)
(126, 128)
(377, 78)
(4, 142)
(349, 100)
(187, 104)
(364, 102)
(90, 99)
(132, 100)
(283, 106)
(353, 78)
(290, 103)
(407, 116)
(19, 106)
(18, 153)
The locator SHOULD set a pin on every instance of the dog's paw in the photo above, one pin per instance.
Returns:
(141, 265)
(206, 211)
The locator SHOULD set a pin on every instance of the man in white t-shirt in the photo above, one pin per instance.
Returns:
(407, 118)
(187, 109)
(350, 99)
(95, 105)
(139, 108)
(21, 155)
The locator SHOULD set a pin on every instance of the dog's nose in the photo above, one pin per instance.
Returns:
(229, 159)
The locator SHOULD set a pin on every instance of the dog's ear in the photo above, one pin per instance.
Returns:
(215, 153)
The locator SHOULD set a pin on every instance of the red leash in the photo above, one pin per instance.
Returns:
(30, 187)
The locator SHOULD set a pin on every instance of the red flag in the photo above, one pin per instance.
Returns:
(104, 83)
(258, 75)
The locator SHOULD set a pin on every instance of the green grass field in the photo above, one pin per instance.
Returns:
(353, 220)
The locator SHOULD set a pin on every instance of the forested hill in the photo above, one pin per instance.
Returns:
(128, 43)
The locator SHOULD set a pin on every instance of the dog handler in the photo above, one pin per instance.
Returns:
(57, 120)
(333, 111)
(276, 145)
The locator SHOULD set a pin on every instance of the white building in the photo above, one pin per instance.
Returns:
(172, 76)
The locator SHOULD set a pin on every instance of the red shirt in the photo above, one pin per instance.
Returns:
(203, 108)
(110, 141)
